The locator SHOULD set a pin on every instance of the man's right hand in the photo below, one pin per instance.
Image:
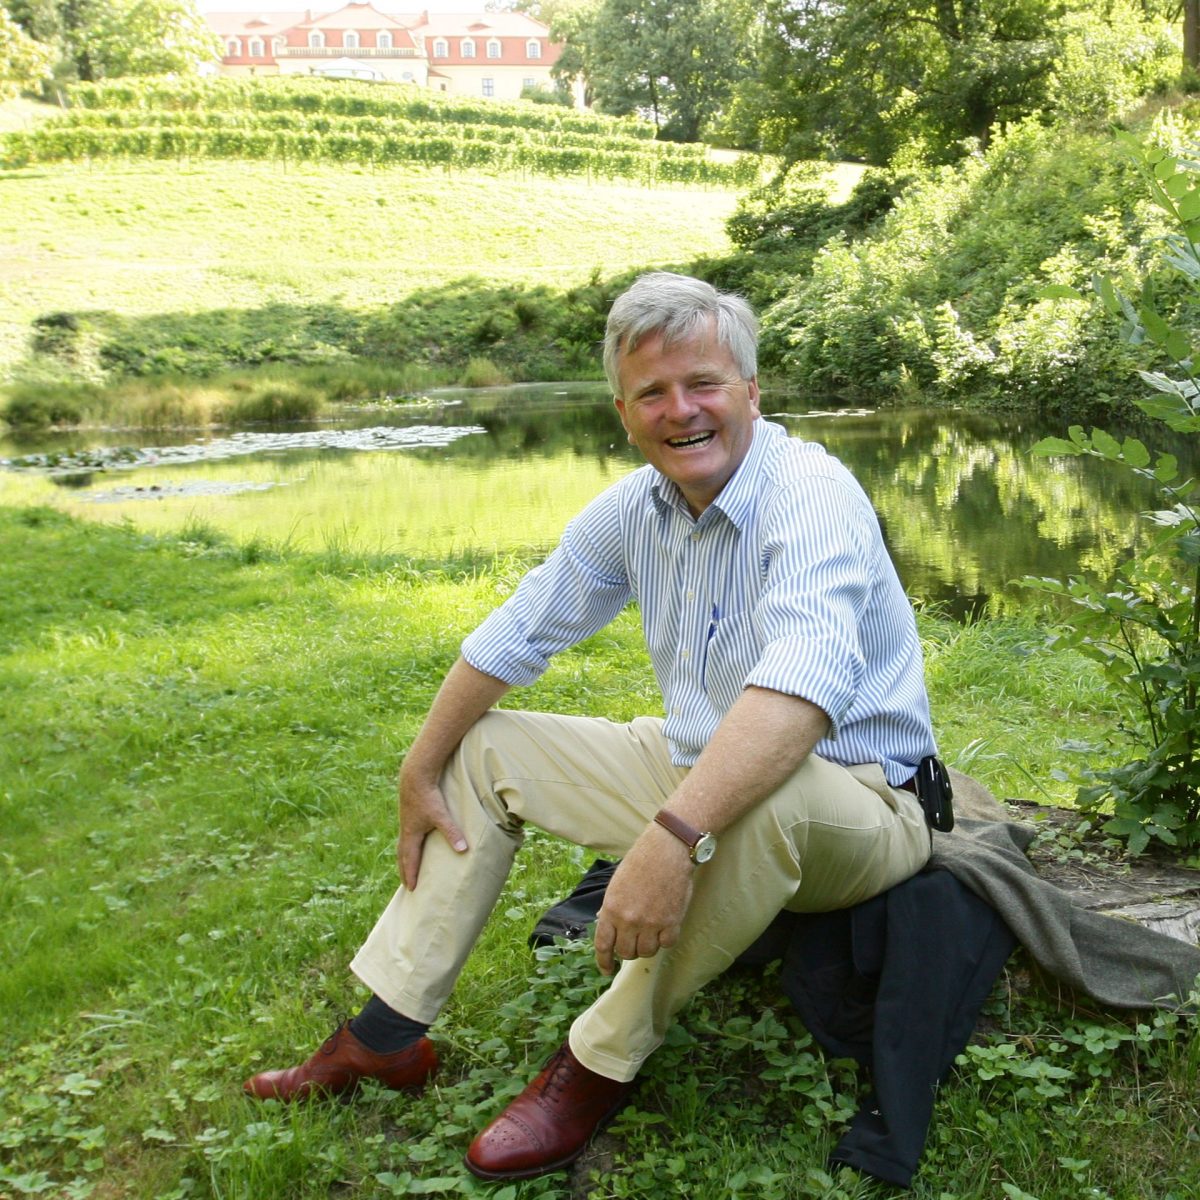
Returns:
(422, 811)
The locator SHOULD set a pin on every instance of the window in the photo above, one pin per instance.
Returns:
(529, 82)
(489, 87)
(493, 48)
(383, 40)
(233, 48)
(441, 49)
(533, 48)
(468, 48)
(316, 40)
(350, 40)
(256, 48)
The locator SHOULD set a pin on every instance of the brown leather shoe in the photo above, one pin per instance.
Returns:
(548, 1126)
(341, 1064)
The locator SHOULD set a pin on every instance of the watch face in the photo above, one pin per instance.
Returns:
(704, 849)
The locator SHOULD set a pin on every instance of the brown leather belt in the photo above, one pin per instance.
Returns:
(909, 785)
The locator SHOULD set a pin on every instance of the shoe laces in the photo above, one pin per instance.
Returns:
(327, 1046)
(561, 1074)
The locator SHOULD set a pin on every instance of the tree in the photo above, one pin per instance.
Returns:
(148, 37)
(98, 39)
(673, 60)
(861, 78)
(24, 62)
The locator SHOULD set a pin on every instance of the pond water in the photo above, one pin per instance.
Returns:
(966, 509)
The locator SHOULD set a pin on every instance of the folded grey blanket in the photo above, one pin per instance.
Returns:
(1115, 961)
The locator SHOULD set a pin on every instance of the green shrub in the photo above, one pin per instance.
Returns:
(274, 403)
(940, 295)
(1142, 625)
(482, 372)
(39, 406)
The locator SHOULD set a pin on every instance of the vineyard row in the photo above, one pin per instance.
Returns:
(51, 143)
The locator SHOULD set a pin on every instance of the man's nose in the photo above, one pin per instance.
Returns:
(681, 404)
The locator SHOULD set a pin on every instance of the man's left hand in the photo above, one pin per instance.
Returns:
(645, 901)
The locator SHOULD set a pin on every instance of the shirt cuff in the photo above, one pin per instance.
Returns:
(801, 667)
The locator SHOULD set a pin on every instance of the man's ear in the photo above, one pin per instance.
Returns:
(624, 424)
(752, 389)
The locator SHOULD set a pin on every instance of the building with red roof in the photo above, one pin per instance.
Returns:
(491, 55)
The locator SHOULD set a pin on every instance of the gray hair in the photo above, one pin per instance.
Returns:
(677, 307)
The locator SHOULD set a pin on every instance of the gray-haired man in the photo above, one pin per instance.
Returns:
(778, 777)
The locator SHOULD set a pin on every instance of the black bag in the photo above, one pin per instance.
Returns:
(572, 917)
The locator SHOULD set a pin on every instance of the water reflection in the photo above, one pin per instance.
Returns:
(965, 507)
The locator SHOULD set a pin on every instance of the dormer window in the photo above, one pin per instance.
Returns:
(233, 48)
(533, 48)
(256, 47)
(493, 48)
(383, 40)
(468, 48)
(350, 40)
(316, 40)
(441, 48)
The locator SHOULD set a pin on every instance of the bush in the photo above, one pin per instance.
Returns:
(272, 404)
(39, 406)
(482, 372)
(1143, 624)
(940, 294)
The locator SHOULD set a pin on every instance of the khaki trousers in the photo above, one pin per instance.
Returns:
(829, 838)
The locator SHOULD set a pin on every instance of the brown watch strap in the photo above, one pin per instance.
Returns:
(686, 833)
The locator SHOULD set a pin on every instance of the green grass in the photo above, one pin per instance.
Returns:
(19, 114)
(197, 821)
(172, 240)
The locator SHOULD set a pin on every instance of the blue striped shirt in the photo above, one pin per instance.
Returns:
(783, 582)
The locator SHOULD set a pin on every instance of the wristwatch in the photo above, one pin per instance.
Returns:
(701, 846)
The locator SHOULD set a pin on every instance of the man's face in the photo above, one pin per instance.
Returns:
(689, 412)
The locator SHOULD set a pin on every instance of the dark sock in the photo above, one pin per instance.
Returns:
(384, 1030)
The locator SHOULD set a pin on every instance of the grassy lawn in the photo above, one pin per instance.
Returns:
(146, 239)
(197, 814)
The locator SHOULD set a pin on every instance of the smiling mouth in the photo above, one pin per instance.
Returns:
(696, 439)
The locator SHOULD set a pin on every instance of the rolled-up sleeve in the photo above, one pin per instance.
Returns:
(819, 564)
(578, 590)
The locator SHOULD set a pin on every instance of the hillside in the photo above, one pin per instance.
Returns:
(295, 119)
(155, 242)
(196, 227)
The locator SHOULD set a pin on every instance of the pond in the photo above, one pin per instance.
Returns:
(471, 474)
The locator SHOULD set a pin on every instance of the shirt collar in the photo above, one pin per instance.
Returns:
(736, 498)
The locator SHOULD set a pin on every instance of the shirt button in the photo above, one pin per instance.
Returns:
(685, 654)
(695, 537)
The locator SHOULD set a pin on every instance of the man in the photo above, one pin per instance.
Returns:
(779, 777)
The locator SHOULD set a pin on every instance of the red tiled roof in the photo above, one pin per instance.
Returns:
(229, 24)
(355, 16)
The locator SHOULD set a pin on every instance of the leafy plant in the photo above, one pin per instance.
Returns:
(1143, 625)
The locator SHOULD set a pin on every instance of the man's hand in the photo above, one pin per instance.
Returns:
(422, 811)
(645, 901)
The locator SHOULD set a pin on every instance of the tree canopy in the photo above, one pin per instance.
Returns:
(24, 61)
(103, 39)
(864, 78)
(674, 61)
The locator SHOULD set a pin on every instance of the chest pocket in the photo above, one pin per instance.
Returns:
(729, 656)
